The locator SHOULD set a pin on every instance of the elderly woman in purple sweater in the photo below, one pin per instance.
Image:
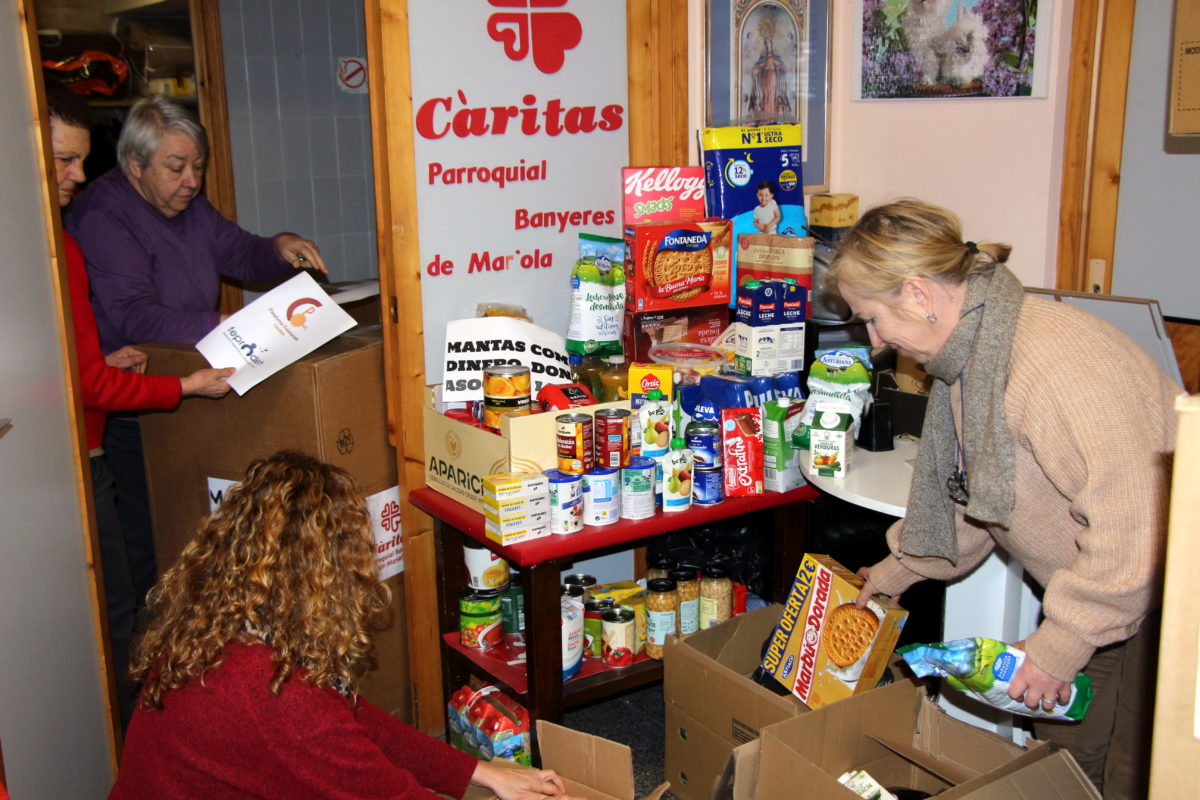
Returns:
(155, 251)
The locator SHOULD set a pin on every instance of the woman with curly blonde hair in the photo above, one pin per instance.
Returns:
(258, 638)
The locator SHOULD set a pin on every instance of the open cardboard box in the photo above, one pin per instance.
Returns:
(711, 703)
(590, 766)
(901, 737)
(459, 456)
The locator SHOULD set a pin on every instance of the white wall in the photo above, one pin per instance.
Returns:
(51, 711)
(996, 162)
(1155, 250)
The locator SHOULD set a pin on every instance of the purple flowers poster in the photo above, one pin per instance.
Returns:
(952, 48)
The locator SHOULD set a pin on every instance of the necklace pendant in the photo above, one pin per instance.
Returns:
(956, 486)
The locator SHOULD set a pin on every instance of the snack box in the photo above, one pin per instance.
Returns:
(701, 325)
(824, 648)
(662, 194)
(678, 264)
(742, 450)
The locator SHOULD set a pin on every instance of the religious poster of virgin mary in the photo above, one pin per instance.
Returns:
(951, 48)
(768, 62)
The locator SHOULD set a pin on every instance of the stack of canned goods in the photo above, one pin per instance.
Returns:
(481, 623)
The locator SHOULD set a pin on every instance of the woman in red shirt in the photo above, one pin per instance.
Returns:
(258, 637)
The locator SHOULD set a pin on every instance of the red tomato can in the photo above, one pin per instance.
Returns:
(612, 437)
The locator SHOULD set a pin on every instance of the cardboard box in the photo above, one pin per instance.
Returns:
(816, 651)
(661, 194)
(764, 256)
(330, 404)
(711, 703)
(679, 264)
(459, 456)
(902, 739)
(1184, 114)
(590, 766)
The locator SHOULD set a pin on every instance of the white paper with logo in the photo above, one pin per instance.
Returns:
(280, 327)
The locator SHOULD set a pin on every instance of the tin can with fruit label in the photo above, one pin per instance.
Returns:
(575, 443)
(506, 390)
(637, 488)
(708, 486)
(612, 437)
(566, 501)
(619, 633)
(479, 623)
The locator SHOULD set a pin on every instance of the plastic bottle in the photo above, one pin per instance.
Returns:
(612, 379)
(584, 370)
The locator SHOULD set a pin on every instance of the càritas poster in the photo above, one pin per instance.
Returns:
(279, 327)
(520, 132)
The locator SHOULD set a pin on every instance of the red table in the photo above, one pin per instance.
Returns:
(538, 684)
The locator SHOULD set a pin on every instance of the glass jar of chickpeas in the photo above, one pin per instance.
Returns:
(661, 604)
(716, 597)
(660, 568)
(687, 586)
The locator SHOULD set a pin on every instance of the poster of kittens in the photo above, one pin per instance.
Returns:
(768, 63)
(951, 48)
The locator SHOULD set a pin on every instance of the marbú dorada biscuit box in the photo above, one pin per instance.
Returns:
(459, 456)
(824, 648)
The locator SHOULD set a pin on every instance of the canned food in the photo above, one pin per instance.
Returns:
(479, 625)
(637, 488)
(704, 440)
(512, 610)
(575, 443)
(505, 391)
(566, 501)
(601, 497)
(583, 581)
(612, 437)
(708, 486)
(573, 592)
(593, 631)
(572, 638)
(620, 637)
(485, 569)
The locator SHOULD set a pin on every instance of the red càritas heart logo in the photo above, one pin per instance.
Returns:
(528, 27)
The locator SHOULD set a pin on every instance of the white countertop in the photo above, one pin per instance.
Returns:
(877, 480)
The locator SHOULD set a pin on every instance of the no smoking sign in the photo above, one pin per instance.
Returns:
(352, 75)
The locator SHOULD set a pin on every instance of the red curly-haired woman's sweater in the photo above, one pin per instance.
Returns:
(230, 737)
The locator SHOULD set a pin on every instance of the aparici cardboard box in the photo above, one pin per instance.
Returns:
(329, 404)
(590, 766)
(459, 456)
(904, 741)
(824, 648)
(712, 705)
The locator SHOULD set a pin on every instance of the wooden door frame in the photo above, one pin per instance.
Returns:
(1098, 85)
(656, 34)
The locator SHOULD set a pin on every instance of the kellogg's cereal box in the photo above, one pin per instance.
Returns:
(677, 264)
(662, 194)
(824, 647)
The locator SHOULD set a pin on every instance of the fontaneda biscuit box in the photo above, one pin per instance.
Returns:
(825, 649)
(677, 264)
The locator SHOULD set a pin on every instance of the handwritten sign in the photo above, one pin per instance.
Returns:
(472, 345)
(519, 136)
(281, 326)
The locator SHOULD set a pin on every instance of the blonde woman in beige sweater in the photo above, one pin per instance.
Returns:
(1048, 433)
